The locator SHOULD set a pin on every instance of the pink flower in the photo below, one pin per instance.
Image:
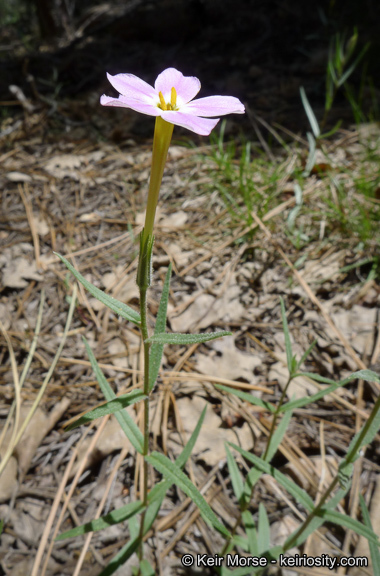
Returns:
(172, 99)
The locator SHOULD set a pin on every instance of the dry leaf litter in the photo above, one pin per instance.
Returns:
(85, 200)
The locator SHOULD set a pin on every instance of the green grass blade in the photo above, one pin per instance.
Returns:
(156, 351)
(185, 339)
(350, 70)
(234, 472)
(374, 550)
(312, 151)
(110, 407)
(331, 132)
(170, 471)
(114, 517)
(119, 308)
(128, 425)
(248, 397)
(309, 113)
(298, 494)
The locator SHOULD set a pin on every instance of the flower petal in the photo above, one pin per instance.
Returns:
(133, 87)
(125, 102)
(214, 106)
(198, 125)
(187, 87)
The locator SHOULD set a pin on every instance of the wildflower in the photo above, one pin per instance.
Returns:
(172, 100)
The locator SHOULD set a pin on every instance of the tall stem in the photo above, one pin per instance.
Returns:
(145, 335)
(161, 142)
(145, 423)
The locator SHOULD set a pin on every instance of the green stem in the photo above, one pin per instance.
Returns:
(145, 336)
(161, 142)
(162, 136)
(145, 424)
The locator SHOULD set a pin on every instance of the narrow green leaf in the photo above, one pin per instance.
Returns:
(155, 505)
(274, 552)
(292, 405)
(252, 478)
(114, 517)
(128, 425)
(155, 497)
(365, 435)
(157, 494)
(263, 530)
(186, 452)
(121, 557)
(298, 494)
(185, 339)
(250, 530)
(350, 70)
(309, 113)
(278, 435)
(110, 407)
(315, 523)
(234, 472)
(134, 527)
(345, 473)
(118, 307)
(331, 132)
(288, 344)
(305, 355)
(359, 441)
(351, 524)
(374, 550)
(242, 542)
(170, 471)
(146, 569)
(248, 397)
(312, 151)
(156, 351)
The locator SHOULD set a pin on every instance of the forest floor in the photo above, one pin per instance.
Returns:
(241, 230)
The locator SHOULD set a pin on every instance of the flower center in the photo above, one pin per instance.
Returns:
(172, 105)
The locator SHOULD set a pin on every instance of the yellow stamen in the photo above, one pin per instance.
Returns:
(162, 101)
(173, 99)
